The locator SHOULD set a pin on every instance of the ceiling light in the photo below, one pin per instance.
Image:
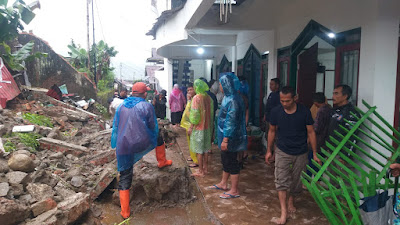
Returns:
(331, 35)
(200, 50)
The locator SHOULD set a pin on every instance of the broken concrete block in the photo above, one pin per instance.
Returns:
(23, 129)
(74, 207)
(63, 191)
(103, 158)
(17, 177)
(4, 188)
(47, 218)
(11, 212)
(21, 162)
(106, 177)
(62, 146)
(43, 206)
(40, 191)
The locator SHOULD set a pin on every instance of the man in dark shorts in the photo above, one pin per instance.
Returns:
(292, 124)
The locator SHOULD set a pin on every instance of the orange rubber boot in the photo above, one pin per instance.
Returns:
(160, 154)
(124, 200)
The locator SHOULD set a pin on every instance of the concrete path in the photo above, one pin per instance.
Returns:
(259, 202)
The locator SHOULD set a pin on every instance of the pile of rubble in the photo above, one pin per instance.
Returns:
(56, 179)
(55, 182)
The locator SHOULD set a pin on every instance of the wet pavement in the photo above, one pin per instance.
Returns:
(258, 202)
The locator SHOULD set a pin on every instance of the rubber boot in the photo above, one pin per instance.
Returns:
(124, 200)
(160, 154)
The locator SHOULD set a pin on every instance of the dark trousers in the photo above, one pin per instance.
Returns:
(230, 164)
(125, 179)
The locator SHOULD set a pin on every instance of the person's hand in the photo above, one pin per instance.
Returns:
(268, 157)
(316, 159)
(395, 169)
(224, 146)
(189, 131)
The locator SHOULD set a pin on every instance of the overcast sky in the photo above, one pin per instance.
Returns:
(120, 23)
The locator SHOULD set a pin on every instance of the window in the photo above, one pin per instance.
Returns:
(347, 68)
(349, 71)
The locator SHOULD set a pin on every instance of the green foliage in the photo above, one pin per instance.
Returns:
(11, 18)
(124, 222)
(9, 146)
(29, 140)
(38, 119)
(101, 108)
(14, 60)
(79, 56)
(104, 53)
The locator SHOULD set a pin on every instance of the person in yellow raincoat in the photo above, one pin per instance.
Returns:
(202, 120)
(185, 123)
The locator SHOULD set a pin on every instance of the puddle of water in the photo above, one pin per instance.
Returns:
(192, 213)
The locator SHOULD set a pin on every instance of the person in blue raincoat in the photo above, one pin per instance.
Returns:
(134, 134)
(232, 137)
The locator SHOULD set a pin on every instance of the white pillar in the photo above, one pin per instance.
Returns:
(378, 63)
(168, 68)
(215, 72)
(234, 56)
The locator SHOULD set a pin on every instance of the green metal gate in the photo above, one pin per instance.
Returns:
(348, 175)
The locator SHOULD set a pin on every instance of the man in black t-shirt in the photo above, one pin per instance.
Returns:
(293, 124)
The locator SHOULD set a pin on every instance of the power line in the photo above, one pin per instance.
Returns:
(101, 25)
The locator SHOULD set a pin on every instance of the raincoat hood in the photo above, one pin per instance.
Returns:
(200, 86)
(230, 84)
(130, 102)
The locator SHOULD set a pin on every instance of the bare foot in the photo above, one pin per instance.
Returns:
(291, 209)
(281, 220)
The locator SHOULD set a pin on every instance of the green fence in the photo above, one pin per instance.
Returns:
(354, 167)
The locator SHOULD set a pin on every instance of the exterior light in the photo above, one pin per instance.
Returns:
(331, 35)
(200, 50)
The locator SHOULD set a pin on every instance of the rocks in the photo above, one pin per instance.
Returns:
(40, 191)
(57, 155)
(16, 190)
(63, 191)
(21, 162)
(43, 206)
(74, 207)
(3, 166)
(17, 177)
(11, 212)
(48, 218)
(76, 181)
(4, 188)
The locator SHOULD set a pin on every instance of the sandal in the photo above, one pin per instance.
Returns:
(193, 165)
(229, 196)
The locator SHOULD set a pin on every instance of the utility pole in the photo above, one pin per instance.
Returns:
(94, 47)
(88, 35)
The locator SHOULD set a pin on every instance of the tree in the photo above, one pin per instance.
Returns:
(11, 19)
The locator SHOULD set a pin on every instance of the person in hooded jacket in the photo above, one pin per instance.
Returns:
(201, 119)
(177, 102)
(232, 136)
(134, 134)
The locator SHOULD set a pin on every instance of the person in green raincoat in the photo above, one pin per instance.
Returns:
(202, 120)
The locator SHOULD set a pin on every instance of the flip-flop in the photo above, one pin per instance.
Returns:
(229, 196)
(215, 187)
(193, 165)
(189, 159)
